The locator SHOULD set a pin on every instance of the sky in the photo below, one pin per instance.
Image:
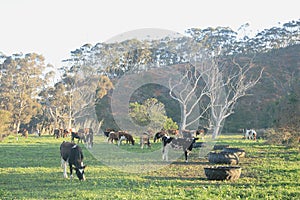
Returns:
(54, 28)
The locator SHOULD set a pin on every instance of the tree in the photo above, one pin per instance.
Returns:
(150, 113)
(189, 91)
(210, 88)
(21, 81)
(215, 41)
(55, 106)
(170, 124)
(104, 85)
(5, 122)
(227, 83)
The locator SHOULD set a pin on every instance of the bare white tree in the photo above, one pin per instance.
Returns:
(210, 87)
(189, 94)
(227, 83)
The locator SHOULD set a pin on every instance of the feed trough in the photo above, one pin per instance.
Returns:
(223, 173)
(239, 152)
(223, 158)
(220, 146)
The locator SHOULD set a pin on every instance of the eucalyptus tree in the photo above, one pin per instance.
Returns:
(84, 81)
(5, 122)
(293, 29)
(21, 81)
(55, 106)
(215, 41)
(227, 82)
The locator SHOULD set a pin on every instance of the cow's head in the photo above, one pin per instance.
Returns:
(80, 172)
(191, 142)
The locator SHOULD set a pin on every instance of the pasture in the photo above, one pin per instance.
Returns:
(30, 169)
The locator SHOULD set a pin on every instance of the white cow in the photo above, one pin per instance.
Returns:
(250, 134)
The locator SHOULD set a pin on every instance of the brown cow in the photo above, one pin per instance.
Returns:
(125, 136)
(145, 139)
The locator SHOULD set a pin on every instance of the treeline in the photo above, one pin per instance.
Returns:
(29, 97)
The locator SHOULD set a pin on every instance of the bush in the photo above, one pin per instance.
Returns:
(284, 136)
(170, 124)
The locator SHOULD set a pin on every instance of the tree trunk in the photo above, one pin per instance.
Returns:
(217, 129)
(183, 118)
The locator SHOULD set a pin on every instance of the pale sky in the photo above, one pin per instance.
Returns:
(53, 28)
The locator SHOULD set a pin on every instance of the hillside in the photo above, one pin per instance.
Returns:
(259, 109)
(280, 79)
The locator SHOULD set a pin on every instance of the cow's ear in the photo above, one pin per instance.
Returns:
(83, 167)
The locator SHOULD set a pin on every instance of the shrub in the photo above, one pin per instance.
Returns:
(284, 136)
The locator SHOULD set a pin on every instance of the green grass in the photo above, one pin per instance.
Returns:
(30, 169)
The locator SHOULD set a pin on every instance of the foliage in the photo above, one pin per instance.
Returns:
(21, 81)
(5, 122)
(104, 85)
(170, 124)
(151, 112)
(287, 136)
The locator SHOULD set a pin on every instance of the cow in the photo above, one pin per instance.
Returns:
(66, 133)
(188, 133)
(250, 134)
(57, 133)
(185, 144)
(173, 132)
(79, 135)
(89, 137)
(107, 131)
(145, 140)
(23, 132)
(72, 153)
(113, 136)
(125, 136)
(159, 135)
(119, 137)
(202, 131)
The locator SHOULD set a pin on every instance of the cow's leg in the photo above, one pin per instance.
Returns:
(121, 139)
(186, 155)
(64, 166)
(165, 153)
(71, 171)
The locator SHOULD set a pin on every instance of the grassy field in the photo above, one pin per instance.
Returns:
(30, 169)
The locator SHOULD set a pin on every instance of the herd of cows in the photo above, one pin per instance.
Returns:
(71, 153)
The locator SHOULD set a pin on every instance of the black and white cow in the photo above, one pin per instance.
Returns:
(72, 153)
(185, 144)
(107, 131)
(159, 135)
(250, 134)
(113, 136)
(79, 135)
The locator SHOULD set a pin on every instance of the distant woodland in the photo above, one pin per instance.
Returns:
(32, 97)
